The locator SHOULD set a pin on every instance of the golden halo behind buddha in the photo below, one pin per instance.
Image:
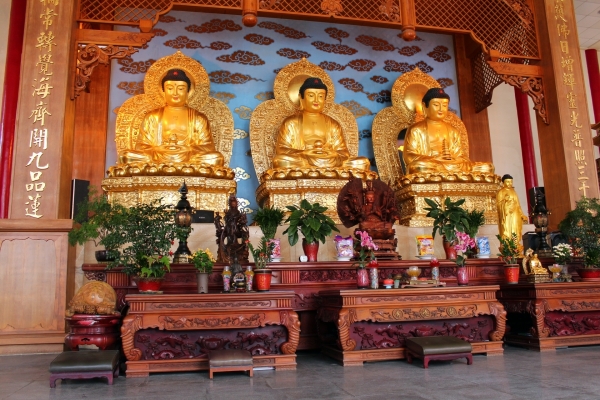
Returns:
(200, 83)
(292, 76)
(408, 92)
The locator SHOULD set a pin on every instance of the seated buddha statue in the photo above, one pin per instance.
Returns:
(174, 133)
(433, 145)
(312, 139)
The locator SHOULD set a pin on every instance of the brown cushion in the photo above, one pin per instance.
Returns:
(229, 358)
(85, 361)
(437, 345)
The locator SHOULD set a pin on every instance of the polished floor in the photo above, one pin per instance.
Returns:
(571, 373)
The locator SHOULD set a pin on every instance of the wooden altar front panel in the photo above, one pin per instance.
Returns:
(347, 308)
(206, 312)
(545, 316)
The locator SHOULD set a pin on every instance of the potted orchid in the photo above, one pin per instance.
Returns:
(365, 245)
(464, 248)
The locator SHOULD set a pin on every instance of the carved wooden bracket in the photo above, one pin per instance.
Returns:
(99, 47)
(528, 78)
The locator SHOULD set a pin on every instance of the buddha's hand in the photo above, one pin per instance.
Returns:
(320, 153)
(171, 147)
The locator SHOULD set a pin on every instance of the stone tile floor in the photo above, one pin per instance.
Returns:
(520, 374)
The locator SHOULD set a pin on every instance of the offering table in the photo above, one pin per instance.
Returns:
(370, 325)
(167, 333)
(543, 316)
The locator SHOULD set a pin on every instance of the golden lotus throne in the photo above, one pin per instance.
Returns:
(283, 186)
(479, 189)
(142, 174)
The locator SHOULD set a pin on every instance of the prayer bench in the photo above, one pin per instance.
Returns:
(437, 348)
(230, 360)
(85, 365)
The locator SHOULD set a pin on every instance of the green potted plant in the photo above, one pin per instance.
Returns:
(268, 219)
(95, 219)
(203, 260)
(510, 249)
(581, 226)
(143, 238)
(315, 225)
(476, 220)
(448, 218)
(262, 255)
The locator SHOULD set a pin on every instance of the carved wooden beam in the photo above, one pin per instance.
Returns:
(528, 78)
(409, 19)
(99, 47)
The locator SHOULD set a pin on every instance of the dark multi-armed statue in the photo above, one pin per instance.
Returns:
(373, 208)
(232, 234)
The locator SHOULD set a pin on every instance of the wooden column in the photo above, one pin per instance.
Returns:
(36, 262)
(41, 180)
(478, 128)
(91, 123)
(566, 142)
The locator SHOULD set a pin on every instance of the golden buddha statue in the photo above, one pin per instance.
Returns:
(311, 138)
(173, 132)
(433, 160)
(303, 144)
(433, 145)
(510, 214)
(533, 268)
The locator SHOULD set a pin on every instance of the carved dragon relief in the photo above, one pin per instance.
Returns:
(130, 326)
(290, 320)
(498, 311)
(242, 321)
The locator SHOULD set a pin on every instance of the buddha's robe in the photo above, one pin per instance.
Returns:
(293, 141)
(424, 153)
(193, 144)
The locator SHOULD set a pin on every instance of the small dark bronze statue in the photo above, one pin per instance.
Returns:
(232, 234)
(373, 208)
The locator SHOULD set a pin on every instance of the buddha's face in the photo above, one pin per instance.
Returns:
(176, 93)
(314, 100)
(437, 110)
(508, 183)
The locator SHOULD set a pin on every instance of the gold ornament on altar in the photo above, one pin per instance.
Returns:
(435, 152)
(173, 130)
(304, 145)
(533, 268)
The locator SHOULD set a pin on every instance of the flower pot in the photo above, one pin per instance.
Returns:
(202, 279)
(589, 274)
(149, 285)
(310, 249)
(102, 256)
(449, 249)
(462, 277)
(511, 274)
(362, 278)
(262, 279)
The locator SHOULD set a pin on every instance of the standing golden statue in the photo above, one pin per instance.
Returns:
(311, 138)
(174, 133)
(510, 214)
(433, 145)
(422, 150)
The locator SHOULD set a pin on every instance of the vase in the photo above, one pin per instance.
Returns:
(102, 256)
(462, 277)
(310, 249)
(344, 248)
(149, 285)
(374, 277)
(483, 244)
(449, 249)
(276, 253)
(591, 274)
(511, 274)
(202, 279)
(362, 277)
(262, 279)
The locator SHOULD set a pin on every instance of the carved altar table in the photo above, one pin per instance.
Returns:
(173, 333)
(371, 325)
(543, 316)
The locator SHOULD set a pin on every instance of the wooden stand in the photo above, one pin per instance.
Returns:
(366, 321)
(217, 316)
(544, 316)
